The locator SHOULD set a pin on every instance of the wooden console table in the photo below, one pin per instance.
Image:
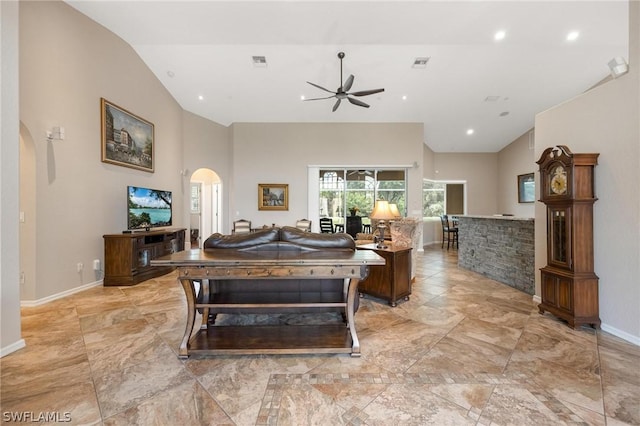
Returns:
(200, 265)
(391, 281)
(127, 256)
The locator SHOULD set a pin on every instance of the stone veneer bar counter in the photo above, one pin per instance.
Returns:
(499, 247)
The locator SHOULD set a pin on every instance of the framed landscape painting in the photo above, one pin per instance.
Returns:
(526, 188)
(127, 140)
(273, 196)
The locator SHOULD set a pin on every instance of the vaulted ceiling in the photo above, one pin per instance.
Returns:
(202, 52)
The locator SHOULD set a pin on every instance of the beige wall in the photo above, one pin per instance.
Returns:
(10, 338)
(207, 145)
(67, 62)
(479, 170)
(515, 159)
(605, 120)
(281, 153)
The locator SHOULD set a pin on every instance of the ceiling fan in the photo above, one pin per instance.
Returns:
(343, 90)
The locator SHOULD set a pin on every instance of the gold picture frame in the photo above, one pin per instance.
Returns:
(127, 140)
(273, 196)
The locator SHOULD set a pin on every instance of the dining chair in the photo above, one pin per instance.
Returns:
(242, 226)
(326, 225)
(304, 225)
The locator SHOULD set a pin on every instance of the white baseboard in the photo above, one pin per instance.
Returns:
(12, 347)
(32, 303)
(621, 334)
(611, 330)
(38, 302)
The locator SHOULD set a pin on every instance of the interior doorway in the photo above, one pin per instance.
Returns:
(205, 206)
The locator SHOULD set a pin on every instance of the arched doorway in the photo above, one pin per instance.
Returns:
(205, 205)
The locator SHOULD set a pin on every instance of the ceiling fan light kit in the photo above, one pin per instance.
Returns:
(343, 91)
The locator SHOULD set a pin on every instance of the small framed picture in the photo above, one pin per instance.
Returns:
(127, 140)
(526, 188)
(273, 196)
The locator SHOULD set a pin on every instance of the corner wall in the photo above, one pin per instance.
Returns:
(67, 63)
(10, 338)
(605, 120)
(515, 159)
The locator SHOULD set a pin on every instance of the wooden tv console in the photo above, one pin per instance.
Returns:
(128, 256)
(195, 266)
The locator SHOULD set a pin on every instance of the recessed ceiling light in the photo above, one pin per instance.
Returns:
(171, 74)
(420, 62)
(259, 61)
(573, 35)
(504, 113)
(500, 35)
(404, 97)
(200, 97)
(470, 131)
(302, 97)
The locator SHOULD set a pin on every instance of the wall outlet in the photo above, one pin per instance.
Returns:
(80, 266)
(96, 264)
(21, 278)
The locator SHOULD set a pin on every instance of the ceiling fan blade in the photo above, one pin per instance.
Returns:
(317, 99)
(335, 107)
(357, 102)
(366, 92)
(320, 87)
(348, 84)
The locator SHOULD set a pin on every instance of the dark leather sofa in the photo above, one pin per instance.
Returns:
(270, 241)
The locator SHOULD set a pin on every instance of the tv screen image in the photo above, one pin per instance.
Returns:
(148, 208)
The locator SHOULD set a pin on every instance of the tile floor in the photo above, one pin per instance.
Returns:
(463, 350)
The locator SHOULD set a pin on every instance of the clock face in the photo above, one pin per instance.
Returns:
(558, 183)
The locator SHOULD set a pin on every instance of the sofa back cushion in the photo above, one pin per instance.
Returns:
(240, 241)
(312, 240)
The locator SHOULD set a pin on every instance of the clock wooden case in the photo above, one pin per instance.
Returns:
(569, 285)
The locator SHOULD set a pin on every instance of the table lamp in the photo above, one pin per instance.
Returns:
(382, 212)
(395, 211)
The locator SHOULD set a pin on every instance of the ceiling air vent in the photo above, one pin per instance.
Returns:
(259, 61)
(420, 62)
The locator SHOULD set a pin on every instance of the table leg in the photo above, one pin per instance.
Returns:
(189, 291)
(351, 302)
(204, 289)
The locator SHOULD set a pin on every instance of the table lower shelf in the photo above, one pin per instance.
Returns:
(276, 339)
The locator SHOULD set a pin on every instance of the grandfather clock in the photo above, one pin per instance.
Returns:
(569, 284)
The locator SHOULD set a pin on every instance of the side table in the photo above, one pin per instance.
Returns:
(392, 281)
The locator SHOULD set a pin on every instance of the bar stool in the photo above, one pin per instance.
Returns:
(450, 232)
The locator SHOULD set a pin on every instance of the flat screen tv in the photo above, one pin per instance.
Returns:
(148, 208)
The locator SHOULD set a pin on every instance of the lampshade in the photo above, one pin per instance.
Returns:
(394, 210)
(382, 211)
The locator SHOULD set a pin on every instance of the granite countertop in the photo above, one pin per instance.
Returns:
(499, 216)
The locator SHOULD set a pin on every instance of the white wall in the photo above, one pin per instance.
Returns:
(10, 339)
(606, 120)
